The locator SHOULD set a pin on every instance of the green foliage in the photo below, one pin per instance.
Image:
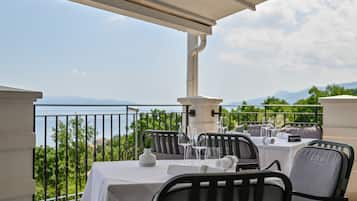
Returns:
(275, 110)
(271, 100)
(245, 113)
(331, 90)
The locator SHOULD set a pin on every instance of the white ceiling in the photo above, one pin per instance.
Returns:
(194, 16)
(211, 9)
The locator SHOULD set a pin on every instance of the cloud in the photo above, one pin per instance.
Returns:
(319, 34)
(78, 72)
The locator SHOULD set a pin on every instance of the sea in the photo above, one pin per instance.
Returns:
(115, 119)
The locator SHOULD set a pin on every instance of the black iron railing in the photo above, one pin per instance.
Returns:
(279, 115)
(71, 137)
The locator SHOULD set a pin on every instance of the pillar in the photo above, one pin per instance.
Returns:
(200, 110)
(17, 141)
(192, 65)
(340, 125)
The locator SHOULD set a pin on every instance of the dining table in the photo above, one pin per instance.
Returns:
(127, 181)
(280, 150)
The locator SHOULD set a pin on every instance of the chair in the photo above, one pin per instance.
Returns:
(164, 144)
(238, 145)
(305, 130)
(255, 129)
(248, 186)
(345, 148)
(239, 128)
(319, 174)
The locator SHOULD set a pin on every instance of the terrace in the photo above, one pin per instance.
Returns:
(70, 137)
(57, 149)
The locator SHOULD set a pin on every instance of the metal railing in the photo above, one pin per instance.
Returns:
(279, 115)
(71, 137)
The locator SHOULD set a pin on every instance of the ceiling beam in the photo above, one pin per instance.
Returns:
(170, 9)
(247, 4)
(148, 14)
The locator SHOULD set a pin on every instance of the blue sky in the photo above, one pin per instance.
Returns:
(66, 49)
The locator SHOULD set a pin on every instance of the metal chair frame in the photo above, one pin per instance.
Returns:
(163, 141)
(228, 181)
(342, 182)
(346, 150)
(228, 139)
(303, 125)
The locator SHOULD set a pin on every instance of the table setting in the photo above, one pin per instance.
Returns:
(140, 180)
(274, 144)
(129, 181)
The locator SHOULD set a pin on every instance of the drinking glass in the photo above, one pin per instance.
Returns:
(264, 131)
(274, 132)
(191, 132)
(183, 141)
(199, 145)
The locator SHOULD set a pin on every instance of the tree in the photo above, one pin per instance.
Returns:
(271, 100)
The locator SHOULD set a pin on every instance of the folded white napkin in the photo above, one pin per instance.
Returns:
(283, 135)
(185, 169)
(227, 162)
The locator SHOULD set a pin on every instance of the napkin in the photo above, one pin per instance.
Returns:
(282, 135)
(227, 162)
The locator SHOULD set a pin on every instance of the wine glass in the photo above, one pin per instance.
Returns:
(264, 131)
(199, 144)
(213, 152)
(183, 141)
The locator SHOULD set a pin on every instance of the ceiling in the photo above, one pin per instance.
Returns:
(194, 16)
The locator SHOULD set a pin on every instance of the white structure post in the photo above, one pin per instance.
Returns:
(201, 107)
(192, 65)
(17, 141)
(340, 125)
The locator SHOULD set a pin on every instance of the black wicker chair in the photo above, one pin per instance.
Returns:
(247, 186)
(164, 144)
(238, 145)
(319, 173)
(254, 129)
(305, 130)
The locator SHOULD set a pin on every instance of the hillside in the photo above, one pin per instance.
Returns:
(292, 97)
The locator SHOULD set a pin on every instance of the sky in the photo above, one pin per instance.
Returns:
(66, 49)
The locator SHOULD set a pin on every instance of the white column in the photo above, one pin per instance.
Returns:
(340, 125)
(192, 65)
(17, 141)
(202, 106)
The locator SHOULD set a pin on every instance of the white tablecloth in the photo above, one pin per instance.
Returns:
(281, 150)
(126, 181)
